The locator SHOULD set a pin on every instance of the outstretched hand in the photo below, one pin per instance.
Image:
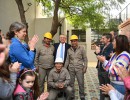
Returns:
(101, 58)
(15, 67)
(122, 72)
(43, 96)
(32, 42)
(97, 49)
(106, 88)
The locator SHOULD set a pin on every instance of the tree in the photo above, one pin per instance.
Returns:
(22, 16)
(80, 13)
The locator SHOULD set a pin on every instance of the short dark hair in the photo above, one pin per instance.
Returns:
(108, 36)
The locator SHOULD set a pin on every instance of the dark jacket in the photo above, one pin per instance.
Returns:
(105, 52)
(56, 45)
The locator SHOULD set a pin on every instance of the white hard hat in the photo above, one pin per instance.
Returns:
(59, 60)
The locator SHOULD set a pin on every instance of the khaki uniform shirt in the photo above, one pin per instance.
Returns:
(76, 59)
(44, 57)
(55, 77)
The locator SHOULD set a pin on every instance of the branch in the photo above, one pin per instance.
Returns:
(71, 9)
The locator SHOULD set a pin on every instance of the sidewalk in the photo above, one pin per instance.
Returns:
(92, 64)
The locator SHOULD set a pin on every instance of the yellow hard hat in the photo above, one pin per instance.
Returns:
(73, 37)
(48, 35)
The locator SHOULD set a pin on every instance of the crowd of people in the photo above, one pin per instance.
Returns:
(24, 68)
(113, 67)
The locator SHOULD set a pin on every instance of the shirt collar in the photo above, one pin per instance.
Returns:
(46, 45)
(56, 70)
(76, 48)
(62, 43)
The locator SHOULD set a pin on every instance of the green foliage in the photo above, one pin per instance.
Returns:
(84, 13)
(48, 6)
(113, 24)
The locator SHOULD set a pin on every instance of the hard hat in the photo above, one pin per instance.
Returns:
(48, 35)
(73, 37)
(59, 60)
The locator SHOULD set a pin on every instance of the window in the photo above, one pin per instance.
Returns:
(81, 34)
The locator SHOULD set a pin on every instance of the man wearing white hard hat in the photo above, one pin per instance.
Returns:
(59, 81)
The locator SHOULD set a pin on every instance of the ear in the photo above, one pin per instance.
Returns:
(15, 32)
(20, 81)
(109, 39)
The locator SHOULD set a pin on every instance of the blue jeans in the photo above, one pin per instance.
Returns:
(119, 88)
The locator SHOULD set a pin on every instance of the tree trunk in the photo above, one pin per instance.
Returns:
(22, 16)
(55, 21)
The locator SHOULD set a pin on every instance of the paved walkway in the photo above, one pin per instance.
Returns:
(91, 83)
(92, 64)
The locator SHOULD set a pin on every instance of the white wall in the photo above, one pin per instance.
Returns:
(43, 25)
(90, 53)
(37, 25)
(39, 11)
(9, 13)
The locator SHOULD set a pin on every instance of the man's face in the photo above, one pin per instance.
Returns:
(58, 66)
(101, 40)
(62, 38)
(47, 41)
(105, 40)
(74, 43)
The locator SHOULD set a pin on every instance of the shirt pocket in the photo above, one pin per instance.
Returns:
(79, 55)
(71, 56)
(50, 52)
(42, 52)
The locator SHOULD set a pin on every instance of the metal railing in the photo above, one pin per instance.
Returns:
(124, 14)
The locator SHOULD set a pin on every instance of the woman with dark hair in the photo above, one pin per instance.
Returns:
(121, 58)
(8, 75)
(19, 50)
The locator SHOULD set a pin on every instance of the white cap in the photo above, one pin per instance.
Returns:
(58, 60)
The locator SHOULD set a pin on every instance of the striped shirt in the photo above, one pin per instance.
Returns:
(122, 60)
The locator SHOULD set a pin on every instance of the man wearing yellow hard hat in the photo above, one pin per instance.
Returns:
(44, 59)
(76, 63)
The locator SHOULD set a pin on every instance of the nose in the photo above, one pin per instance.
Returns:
(30, 85)
(25, 33)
